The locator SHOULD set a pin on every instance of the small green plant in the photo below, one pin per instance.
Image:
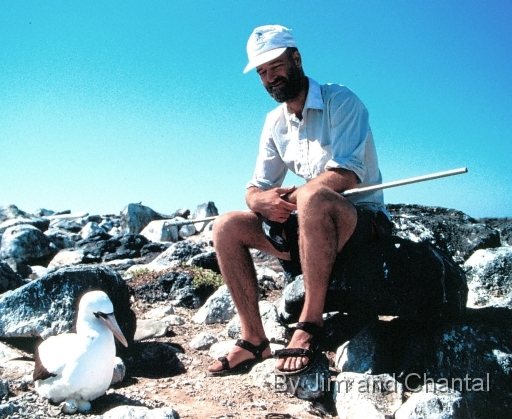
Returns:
(204, 277)
(138, 273)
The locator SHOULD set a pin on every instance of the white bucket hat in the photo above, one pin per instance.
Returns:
(267, 43)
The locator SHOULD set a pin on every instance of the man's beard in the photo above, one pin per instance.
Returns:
(291, 85)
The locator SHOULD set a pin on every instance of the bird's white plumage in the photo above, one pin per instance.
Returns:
(83, 362)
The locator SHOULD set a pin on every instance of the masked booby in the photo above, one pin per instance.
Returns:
(78, 367)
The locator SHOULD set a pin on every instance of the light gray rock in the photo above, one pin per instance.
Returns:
(91, 229)
(159, 312)
(202, 341)
(219, 308)
(140, 412)
(72, 222)
(67, 257)
(438, 403)
(274, 329)
(161, 231)
(489, 275)
(187, 231)
(367, 396)
(203, 211)
(149, 329)
(25, 244)
(135, 217)
(176, 254)
(61, 238)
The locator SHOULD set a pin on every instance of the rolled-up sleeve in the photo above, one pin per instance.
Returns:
(270, 169)
(349, 122)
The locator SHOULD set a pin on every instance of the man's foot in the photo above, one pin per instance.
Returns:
(241, 358)
(299, 355)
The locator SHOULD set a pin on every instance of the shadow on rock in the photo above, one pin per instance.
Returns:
(154, 360)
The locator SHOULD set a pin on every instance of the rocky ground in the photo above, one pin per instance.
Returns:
(187, 389)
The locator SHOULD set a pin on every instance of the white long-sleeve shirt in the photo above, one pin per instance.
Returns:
(333, 133)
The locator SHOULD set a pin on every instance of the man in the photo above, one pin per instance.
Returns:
(322, 134)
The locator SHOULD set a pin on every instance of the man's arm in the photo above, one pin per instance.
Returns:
(338, 180)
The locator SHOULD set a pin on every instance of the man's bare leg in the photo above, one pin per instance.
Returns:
(326, 222)
(233, 235)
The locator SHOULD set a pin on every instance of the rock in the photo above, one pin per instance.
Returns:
(274, 329)
(140, 412)
(439, 403)
(367, 396)
(205, 260)
(203, 211)
(61, 238)
(177, 254)
(187, 230)
(149, 329)
(454, 232)
(180, 287)
(219, 308)
(91, 229)
(489, 274)
(47, 306)
(39, 223)
(291, 301)
(25, 244)
(159, 312)
(129, 246)
(11, 215)
(9, 280)
(72, 222)
(161, 231)
(202, 341)
(67, 257)
(135, 217)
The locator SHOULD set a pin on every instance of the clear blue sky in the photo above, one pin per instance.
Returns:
(103, 103)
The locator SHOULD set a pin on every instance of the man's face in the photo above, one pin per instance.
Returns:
(282, 77)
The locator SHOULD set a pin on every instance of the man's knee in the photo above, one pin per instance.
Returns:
(323, 200)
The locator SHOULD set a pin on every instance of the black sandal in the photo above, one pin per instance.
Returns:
(244, 366)
(314, 346)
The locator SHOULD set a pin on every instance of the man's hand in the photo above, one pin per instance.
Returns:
(271, 204)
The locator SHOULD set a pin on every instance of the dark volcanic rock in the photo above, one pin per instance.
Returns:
(452, 231)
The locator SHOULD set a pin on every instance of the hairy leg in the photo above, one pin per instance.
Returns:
(326, 222)
(234, 234)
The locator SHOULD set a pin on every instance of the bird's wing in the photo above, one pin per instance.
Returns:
(52, 355)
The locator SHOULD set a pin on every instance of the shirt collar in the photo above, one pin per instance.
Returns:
(314, 97)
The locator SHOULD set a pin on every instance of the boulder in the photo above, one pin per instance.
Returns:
(203, 211)
(489, 274)
(25, 244)
(47, 306)
(452, 231)
(73, 222)
(219, 308)
(9, 280)
(61, 238)
(135, 217)
(161, 231)
(367, 396)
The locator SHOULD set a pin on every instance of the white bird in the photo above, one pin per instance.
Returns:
(78, 367)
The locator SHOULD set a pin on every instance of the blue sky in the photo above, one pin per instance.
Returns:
(103, 103)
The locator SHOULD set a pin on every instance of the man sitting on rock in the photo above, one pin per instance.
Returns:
(322, 134)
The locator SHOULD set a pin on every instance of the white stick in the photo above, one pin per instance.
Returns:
(405, 181)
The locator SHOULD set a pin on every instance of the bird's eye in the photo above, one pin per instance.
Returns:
(100, 314)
